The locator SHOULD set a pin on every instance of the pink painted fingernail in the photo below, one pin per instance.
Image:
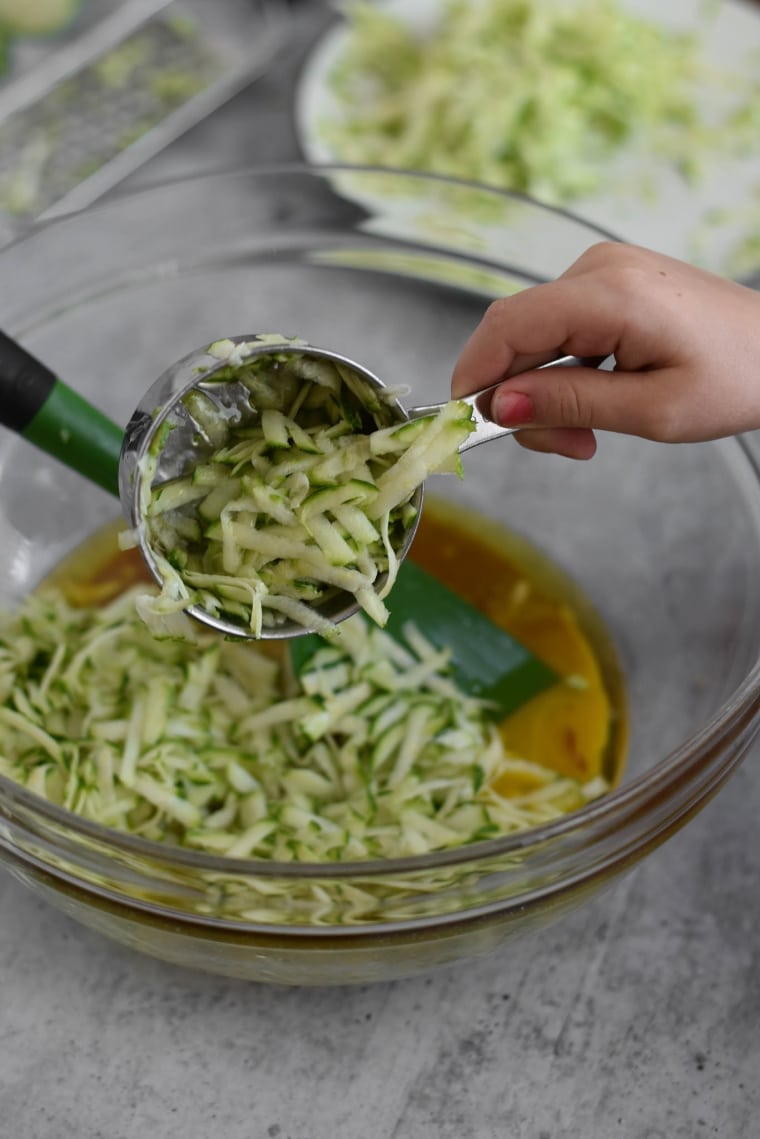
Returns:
(512, 409)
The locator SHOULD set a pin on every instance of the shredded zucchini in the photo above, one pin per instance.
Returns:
(372, 753)
(306, 497)
(534, 97)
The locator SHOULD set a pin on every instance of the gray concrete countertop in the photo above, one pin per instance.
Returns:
(638, 1017)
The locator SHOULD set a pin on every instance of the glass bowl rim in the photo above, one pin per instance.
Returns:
(688, 756)
(231, 172)
(618, 804)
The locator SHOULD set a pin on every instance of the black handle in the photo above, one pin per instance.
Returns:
(25, 384)
(38, 406)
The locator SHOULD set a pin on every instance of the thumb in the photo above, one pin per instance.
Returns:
(580, 397)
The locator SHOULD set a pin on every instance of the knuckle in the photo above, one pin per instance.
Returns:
(662, 424)
(605, 255)
(572, 410)
(621, 266)
(662, 421)
(628, 281)
(601, 251)
(494, 314)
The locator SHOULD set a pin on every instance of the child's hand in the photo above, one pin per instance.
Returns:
(686, 345)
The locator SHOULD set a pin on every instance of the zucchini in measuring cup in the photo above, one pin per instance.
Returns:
(307, 497)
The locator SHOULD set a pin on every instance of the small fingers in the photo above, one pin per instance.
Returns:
(684, 342)
(570, 442)
(583, 398)
(612, 301)
(578, 315)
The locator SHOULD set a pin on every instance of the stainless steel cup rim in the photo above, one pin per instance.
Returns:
(165, 398)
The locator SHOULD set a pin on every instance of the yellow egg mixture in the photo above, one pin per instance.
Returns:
(577, 727)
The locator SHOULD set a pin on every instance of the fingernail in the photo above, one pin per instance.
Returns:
(512, 409)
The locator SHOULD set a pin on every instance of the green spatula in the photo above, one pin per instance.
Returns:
(486, 661)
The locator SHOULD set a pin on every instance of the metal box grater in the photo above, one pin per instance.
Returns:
(84, 114)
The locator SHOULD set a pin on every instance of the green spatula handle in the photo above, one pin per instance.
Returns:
(38, 406)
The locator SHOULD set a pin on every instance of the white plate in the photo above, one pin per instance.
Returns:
(675, 221)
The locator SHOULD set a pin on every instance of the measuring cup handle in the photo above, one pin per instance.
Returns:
(43, 410)
(485, 428)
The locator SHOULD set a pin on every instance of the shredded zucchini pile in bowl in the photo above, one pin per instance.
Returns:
(372, 752)
(305, 494)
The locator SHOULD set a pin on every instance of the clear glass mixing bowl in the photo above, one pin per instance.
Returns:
(394, 270)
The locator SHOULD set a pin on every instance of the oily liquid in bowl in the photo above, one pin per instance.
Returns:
(577, 727)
